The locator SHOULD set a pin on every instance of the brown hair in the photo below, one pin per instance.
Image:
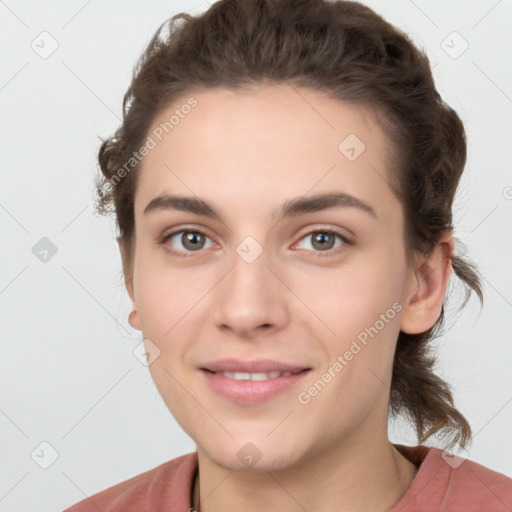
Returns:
(347, 51)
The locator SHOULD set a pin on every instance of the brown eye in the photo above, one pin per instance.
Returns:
(187, 241)
(192, 240)
(323, 241)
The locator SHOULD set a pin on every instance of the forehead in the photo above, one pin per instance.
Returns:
(260, 144)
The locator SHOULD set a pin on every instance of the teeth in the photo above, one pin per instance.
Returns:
(264, 376)
(237, 375)
(254, 376)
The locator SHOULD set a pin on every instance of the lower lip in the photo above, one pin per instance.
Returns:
(251, 392)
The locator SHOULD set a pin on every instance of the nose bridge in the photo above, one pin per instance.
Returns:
(250, 295)
(250, 273)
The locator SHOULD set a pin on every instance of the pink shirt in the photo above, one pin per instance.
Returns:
(439, 485)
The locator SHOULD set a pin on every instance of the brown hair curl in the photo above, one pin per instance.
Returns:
(347, 51)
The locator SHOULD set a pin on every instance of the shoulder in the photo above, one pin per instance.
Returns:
(476, 485)
(169, 483)
(451, 482)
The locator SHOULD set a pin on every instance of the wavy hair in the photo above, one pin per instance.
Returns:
(349, 52)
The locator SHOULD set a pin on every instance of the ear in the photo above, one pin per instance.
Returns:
(427, 288)
(127, 261)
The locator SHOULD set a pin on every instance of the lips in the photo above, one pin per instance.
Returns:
(254, 375)
(252, 382)
(255, 366)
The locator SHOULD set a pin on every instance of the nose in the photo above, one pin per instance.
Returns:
(251, 299)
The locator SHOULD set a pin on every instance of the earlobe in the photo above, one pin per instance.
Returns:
(134, 320)
(133, 317)
(424, 300)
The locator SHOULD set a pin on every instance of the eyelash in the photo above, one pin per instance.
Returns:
(321, 254)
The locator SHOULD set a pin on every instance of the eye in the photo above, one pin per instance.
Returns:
(186, 241)
(324, 240)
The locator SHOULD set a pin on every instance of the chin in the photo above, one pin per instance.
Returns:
(244, 455)
(263, 465)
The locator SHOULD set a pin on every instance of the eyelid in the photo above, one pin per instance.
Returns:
(167, 235)
(326, 228)
(178, 229)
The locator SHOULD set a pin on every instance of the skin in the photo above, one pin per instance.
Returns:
(246, 153)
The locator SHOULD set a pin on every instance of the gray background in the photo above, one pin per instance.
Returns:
(68, 375)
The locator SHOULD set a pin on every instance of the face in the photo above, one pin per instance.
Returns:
(289, 250)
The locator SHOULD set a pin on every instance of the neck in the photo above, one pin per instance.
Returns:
(354, 476)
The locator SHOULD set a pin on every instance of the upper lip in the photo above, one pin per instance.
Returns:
(255, 366)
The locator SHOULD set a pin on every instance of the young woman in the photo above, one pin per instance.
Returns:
(283, 182)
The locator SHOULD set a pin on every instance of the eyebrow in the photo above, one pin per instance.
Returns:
(291, 208)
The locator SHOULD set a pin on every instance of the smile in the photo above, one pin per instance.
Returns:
(252, 388)
(254, 376)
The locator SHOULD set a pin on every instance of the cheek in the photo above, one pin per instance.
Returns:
(363, 317)
(356, 316)
(167, 296)
(349, 298)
